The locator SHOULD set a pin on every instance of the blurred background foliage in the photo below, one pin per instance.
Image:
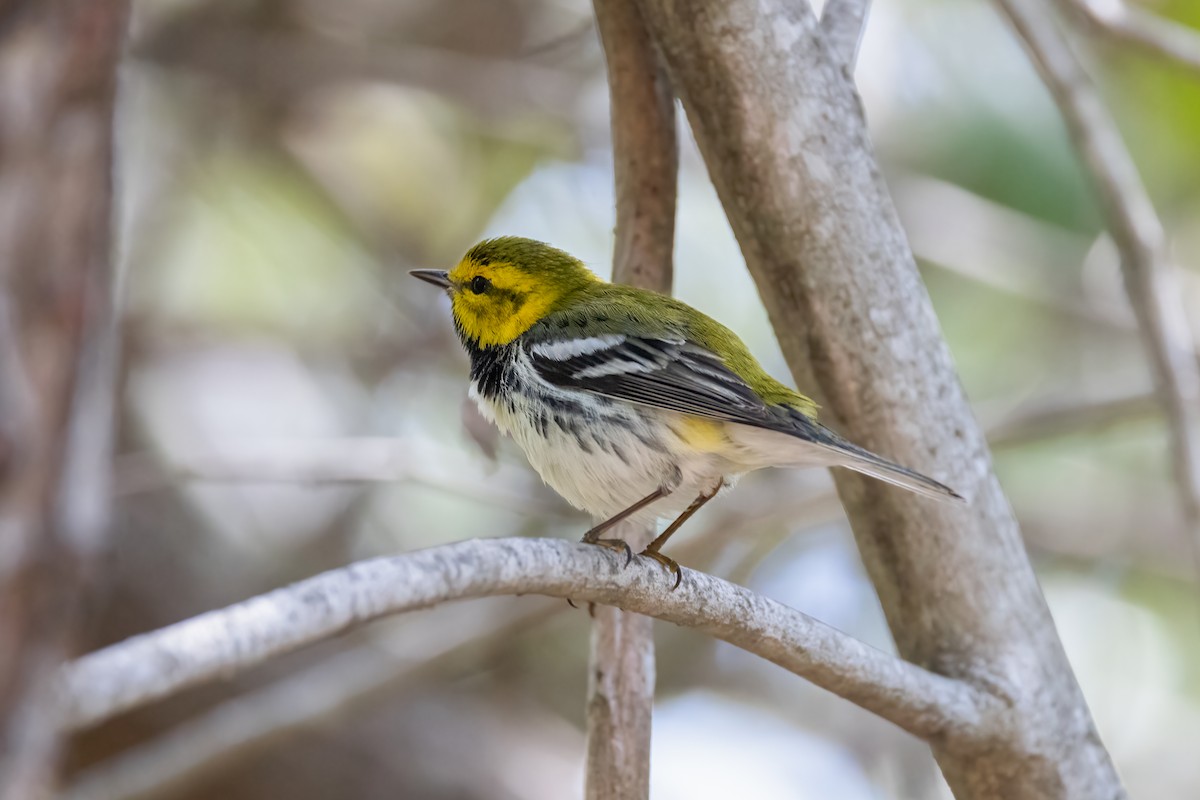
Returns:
(292, 401)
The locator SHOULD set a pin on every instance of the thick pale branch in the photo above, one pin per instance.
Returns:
(783, 134)
(843, 23)
(1117, 20)
(220, 643)
(245, 726)
(1150, 279)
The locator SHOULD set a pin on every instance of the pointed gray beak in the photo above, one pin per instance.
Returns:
(438, 277)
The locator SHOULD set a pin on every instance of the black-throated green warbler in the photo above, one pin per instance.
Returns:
(629, 403)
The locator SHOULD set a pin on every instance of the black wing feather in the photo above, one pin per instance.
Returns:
(671, 374)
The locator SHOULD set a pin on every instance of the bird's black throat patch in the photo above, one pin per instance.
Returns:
(489, 367)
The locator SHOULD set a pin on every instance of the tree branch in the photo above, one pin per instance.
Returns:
(843, 23)
(243, 727)
(57, 87)
(283, 65)
(1117, 20)
(1150, 280)
(783, 135)
(645, 149)
(219, 643)
(621, 671)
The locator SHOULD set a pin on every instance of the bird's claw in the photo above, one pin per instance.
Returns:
(617, 545)
(668, 563)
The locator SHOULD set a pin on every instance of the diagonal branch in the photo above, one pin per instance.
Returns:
(219, 643)
(1151, 280)
(843, 23)
(240, 729)
(1117, 20)
(245, 726)
(783, 134)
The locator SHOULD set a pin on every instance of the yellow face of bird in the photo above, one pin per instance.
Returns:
(503, 287)
(496, 302)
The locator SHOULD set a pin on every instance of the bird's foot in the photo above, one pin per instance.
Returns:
(670, 564)
(616, 545)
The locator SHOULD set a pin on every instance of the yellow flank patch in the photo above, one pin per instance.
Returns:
(705, 435)
(514, 303)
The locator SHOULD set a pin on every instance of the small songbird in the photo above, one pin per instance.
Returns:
(629, 403)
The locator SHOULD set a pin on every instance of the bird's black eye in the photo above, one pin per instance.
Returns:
(480, 284)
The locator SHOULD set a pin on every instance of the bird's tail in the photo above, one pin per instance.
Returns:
(851, 456)
(800, 441)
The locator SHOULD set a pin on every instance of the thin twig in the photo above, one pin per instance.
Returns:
(57, 89)
(843, 23)
(1150, 279)
(1048, 418)
(282, 64)
(244, 727)
(337, 461)
(220, 643)
(1117, 20)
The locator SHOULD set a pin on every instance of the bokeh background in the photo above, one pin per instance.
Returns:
(292, 401)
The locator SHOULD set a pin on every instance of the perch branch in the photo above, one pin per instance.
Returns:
(219, 643)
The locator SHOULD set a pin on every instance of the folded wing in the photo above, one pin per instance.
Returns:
(663, 372)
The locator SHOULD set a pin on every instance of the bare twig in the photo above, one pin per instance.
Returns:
(1062, 418)
(220, 643)
(57, 86)
(337, 460)
(243, 727)
(285, 64)
(843, 23)
(1007, 250)
(645, 167)
(1117, 20)
(1150, 279)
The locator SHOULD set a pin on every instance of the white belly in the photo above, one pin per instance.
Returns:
(609, 464)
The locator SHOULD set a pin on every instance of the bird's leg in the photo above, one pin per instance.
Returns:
(652, 550)
(593, 535)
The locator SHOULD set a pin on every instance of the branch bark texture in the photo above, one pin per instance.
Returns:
(645, 167)
(219, 643)
(843, 23)
(782, 131)
(57, 351)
